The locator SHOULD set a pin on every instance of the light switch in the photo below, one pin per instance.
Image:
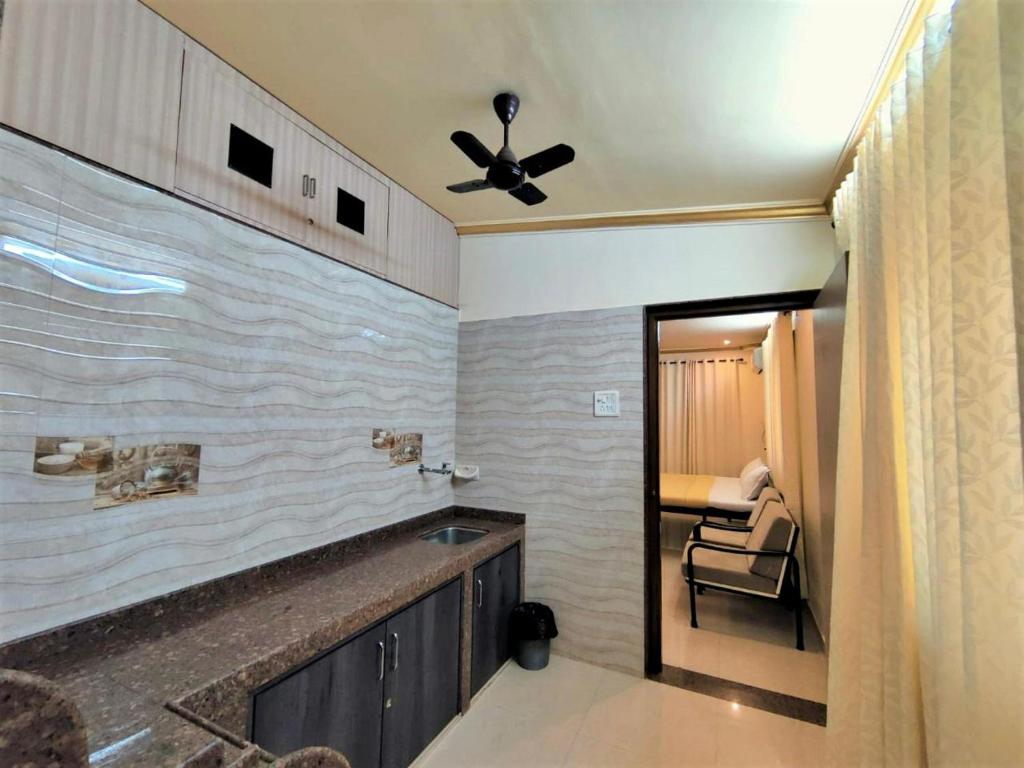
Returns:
(606, 402)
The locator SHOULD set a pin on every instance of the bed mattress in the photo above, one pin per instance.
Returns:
(724, 493)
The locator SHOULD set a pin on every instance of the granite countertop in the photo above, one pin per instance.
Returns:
(203, 660)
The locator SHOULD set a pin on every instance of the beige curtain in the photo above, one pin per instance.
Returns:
(710, 412)
(927, 641)
(782, 423)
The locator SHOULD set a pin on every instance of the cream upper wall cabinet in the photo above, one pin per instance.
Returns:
(101, 79)
(236, 152)
(246, 153)
(348, 217)
(423, 248)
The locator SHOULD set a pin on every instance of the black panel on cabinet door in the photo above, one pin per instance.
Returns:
(351, 211)
(250, 157)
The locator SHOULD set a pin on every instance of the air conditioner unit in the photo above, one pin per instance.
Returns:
(758, 359)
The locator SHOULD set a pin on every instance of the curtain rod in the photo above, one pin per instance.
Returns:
(708, 349)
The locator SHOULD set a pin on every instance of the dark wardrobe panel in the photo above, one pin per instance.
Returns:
(496, 593)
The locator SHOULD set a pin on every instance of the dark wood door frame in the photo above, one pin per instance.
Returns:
(653, 314)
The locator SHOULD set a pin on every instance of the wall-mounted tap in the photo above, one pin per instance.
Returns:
(446, 469)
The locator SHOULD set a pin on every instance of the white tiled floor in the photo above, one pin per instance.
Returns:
(581, 716)
(742, 639)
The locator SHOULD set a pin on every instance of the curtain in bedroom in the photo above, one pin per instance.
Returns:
(711, 417)
(782, 423)
(927, 640)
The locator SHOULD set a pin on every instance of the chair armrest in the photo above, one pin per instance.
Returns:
(733, 550)
(730, 551)
(719, 527)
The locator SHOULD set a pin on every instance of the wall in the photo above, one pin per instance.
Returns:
(534, 273)
(818, 580)
(525, 415)
(277, 361)
(546, 319)
(829, 321)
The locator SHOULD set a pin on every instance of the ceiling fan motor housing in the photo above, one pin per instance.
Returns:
(505, 173)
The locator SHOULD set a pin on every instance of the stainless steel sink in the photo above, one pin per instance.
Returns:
(453, 534)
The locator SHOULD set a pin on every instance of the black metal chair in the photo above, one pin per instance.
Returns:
(758, 561)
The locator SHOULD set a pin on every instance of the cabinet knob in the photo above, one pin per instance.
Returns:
(310, 221)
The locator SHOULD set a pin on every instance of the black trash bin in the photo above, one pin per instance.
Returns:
(531, 627)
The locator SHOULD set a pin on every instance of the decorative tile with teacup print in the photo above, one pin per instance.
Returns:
(383, 439)
(408, 449)
(72, 456)
(148, 471)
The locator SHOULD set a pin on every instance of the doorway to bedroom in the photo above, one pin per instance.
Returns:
(735, 546)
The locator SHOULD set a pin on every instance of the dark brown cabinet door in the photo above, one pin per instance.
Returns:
(335, 701)
(495, 594)
(421, 691)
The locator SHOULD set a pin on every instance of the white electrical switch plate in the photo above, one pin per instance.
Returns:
(606, 403)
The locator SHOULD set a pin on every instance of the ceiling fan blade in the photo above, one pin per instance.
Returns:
(548, 159)
(473, 148)
(469, 186)
(528, 194)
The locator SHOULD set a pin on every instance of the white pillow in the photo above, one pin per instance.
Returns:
(753, 478)
(751, 465)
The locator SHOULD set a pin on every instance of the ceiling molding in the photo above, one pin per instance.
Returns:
(647, 219)
(891, 69)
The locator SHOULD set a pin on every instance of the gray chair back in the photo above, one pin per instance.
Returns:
(774, 530)
(768, 493)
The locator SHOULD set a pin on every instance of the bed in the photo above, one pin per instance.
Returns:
(704, 495)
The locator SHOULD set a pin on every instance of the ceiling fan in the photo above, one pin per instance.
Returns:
(504, 171)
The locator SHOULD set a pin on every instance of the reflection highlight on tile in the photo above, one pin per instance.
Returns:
(170, 324)
(577, 714)
(85, 274)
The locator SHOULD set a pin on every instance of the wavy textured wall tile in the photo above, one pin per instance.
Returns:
(156, 321)
(525, 415)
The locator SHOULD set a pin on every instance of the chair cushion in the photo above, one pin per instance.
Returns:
(753, 478)
(727, 570)
(768, 493)
(774, 530)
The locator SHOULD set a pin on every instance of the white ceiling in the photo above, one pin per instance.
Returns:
(669, 105)
(712, 332)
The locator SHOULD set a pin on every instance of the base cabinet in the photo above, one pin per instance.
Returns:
(333, 702)
(379, 698)
(496, 593)
(421, 684)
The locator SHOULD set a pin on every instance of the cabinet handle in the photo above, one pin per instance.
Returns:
(312, 187)
(305, 185)
(394, 659)
(380, 649)
(480, 593)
